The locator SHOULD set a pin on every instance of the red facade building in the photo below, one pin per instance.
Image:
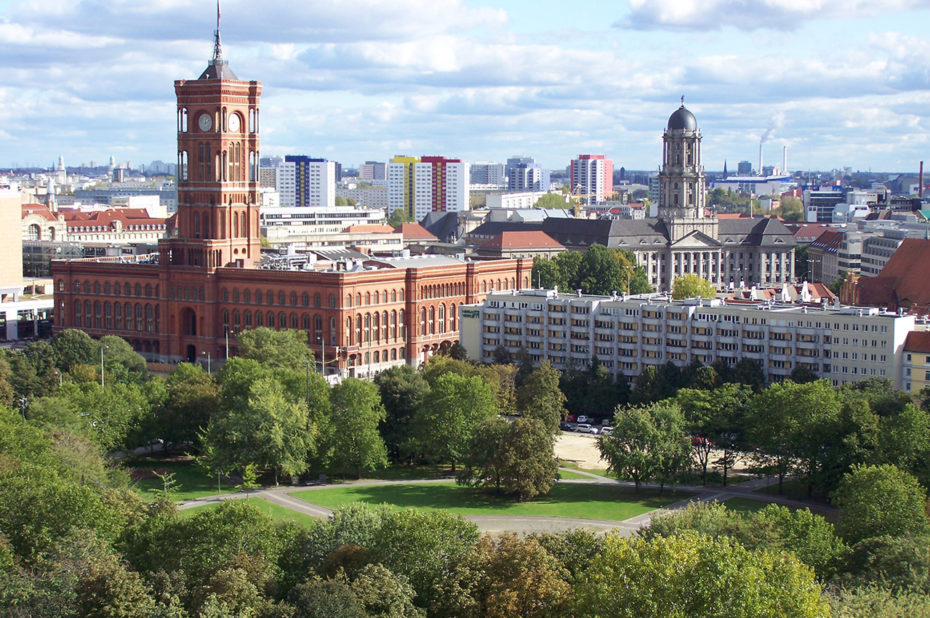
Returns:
(188, 302)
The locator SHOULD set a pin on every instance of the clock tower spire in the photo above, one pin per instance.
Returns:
(218, 158)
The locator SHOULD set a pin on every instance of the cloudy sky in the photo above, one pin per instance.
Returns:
(840, 82)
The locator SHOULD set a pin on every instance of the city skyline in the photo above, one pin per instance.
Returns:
(839, 83)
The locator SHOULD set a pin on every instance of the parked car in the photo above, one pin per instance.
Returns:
(571, 418)
(584, 419)
(607, 430)
(585, 428)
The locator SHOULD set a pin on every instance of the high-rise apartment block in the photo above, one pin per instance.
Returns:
(592, 177)
(488, 174)
(523, 174)
(420, 186)
(372, 170)
(303, 181)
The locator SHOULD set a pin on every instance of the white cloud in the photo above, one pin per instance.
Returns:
(751, 14)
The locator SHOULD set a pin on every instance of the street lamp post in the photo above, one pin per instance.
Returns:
(226, 331)
(102, 348)
(307, 365)
(22, 407)
(209, 368)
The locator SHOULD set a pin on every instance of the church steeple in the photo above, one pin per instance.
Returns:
(218, 68)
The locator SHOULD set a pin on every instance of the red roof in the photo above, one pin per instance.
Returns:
(40, 210)
(515, 240)
(917, 341)
(415, 231)
(902, 282)
(805, 233)
(829, 241)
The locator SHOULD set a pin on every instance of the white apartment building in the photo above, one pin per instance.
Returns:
(428, 184)
(842, 344)
(513, 199)
(302, 181)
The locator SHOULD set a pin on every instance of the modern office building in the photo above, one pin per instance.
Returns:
(819, 203)
(592, 178)
(524, 174)
(372, 170)
(492, 174)
(628, 334)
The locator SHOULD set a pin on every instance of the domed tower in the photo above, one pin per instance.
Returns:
(681, 181)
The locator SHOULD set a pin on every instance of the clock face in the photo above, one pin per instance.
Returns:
(234, 123)
(204, 122)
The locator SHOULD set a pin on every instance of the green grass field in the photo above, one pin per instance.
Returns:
(744, 505)
(276, 512)
(192, 481)
(573, 466)
(607, 502)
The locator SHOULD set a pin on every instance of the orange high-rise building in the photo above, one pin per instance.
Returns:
(188, 302)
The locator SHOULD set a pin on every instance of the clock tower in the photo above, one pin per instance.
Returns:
(218, 153)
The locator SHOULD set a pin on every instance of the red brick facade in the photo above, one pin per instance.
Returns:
(206, 284)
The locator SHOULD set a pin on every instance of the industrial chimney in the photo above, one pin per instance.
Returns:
(920, 187)
(784, 159)
(761, 173)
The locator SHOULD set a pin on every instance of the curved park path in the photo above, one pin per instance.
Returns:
(528, 524)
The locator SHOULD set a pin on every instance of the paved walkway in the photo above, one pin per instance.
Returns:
(527, 524)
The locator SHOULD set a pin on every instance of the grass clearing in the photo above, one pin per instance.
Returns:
(585, 501)
(571, 465)
(744, 505)
(276, 512)
(192, 481)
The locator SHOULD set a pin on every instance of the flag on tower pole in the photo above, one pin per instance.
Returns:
(218, 14)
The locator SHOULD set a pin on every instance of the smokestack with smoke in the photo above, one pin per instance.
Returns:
(774, 124)
(784, 159)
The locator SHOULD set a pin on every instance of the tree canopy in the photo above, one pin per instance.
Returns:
(599, 270)
(692, 286)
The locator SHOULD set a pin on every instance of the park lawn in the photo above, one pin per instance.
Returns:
(585, 501)
(571, 476)
(573, 466)
(398, 472)
(796, 489)
(744, 505)
(277, 512)
(192, 481)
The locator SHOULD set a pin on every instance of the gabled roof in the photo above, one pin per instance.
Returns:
(903, 280)
(38, 210)
(489, 229)
(829, 241)
(443, 225)
(514, 240)
(415, 231)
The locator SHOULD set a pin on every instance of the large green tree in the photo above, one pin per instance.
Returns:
(878, 501)
(353, 440)
(540, 397)
(693, 575)
(403, 390)
(717, 419)
(192, 399)
(692, 286)
(446, 421)
(275, 348)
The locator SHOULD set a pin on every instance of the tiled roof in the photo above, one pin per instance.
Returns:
(903, 281)
(917, 341)
(39, 210)
(828, 241)
(511, 240)
(415, 231)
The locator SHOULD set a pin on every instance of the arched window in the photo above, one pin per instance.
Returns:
(432, 320)
(376, 327)
(423, 330)
(270, 317)
(149, 319)
(269, 298)
(247, 296)
(442, 318)
(107, 316)
(316, 299)
(332, 301)
(293, 299)
(237, 324)
(127, 314)
(318, 326)
(402, 324)
(118, 316)
(235, 295)
(258, 297)
(358, 328)
(305, 324)
(452, 315)
(358, 299)
(282, 320)
(393, 296)
(367, 338)
(305, 300)
(259, 319)
(377, 356)
(394, 324)
(295, 322)
(139, 323)
(247, 318)
(348, 300)
(384, 326)
(96, 287)
(349, 330)
(117, 289)
(282, 298)
(367, 298)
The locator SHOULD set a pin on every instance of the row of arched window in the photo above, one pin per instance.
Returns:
(436, 322)
(117, 316)
(244, 320)
(116, 289)
(376, 327)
